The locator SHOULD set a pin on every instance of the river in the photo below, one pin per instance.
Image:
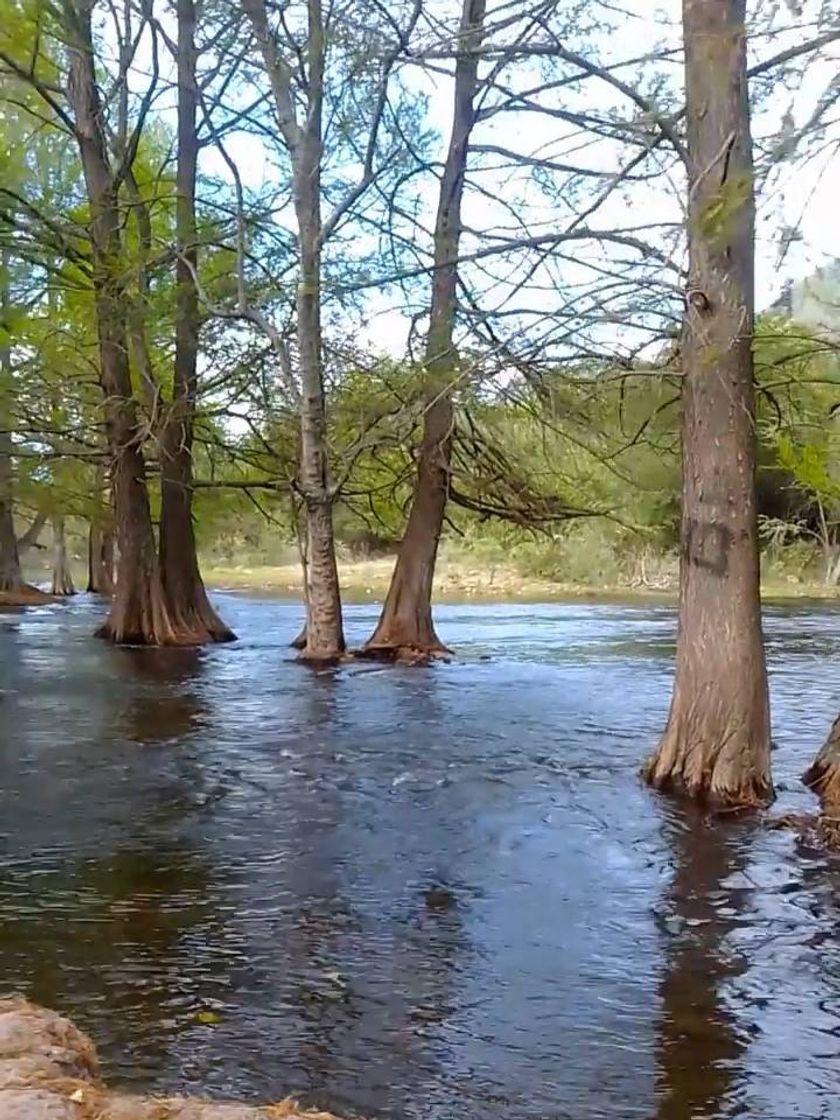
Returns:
(415, 894)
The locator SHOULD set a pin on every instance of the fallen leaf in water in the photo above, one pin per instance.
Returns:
(209, 1018)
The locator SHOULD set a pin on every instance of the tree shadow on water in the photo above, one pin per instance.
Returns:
(699, 1045)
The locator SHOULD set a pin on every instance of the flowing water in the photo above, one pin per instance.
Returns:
(415, 893)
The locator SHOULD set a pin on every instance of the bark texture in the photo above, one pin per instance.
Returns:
(49, 1070)
(716, 746)
(193, 618)
(62, 577)
(823, 777)
(11, 579)
(406, 628)
(324, 627)
(138, 613)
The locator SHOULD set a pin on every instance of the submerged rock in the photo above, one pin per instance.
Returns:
(49, 1071)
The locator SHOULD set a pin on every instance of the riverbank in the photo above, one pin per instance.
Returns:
(459, 580)
(49, 1070)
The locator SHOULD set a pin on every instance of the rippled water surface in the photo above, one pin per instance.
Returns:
(415, 893)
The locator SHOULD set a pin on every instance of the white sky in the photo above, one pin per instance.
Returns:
(802, 194)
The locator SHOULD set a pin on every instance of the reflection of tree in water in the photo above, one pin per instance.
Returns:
(429, 952)
(699, 1045)
(165, 704)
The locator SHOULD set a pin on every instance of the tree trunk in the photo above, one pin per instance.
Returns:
(193, 618)
(29, 539)
(11, 579)
(716, 745)
(299, 641)
(62, 579)
(138, 614)
(405, 628)
(14, 591)
(324, 626)
(823, 777)
(100, 557)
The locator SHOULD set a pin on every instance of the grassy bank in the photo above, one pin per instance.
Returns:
(585, 564)
(462, 579)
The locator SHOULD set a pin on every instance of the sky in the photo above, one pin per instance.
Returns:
(802, 194)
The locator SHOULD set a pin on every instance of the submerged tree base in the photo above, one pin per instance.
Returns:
(202, 628)
(718, 772)
(49, 1070)
(823, 777)
(151, 624)
(156, 638)
(322, 659)
(818, 833)
(406, 653)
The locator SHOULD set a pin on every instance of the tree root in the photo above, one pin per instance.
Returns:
(408, 653)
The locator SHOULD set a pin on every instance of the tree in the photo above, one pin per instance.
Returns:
(716, 745)
(405, 627)
(342, 123)
(192, 616)
(11, 580)
(139, 614)
(304, 142)
(62, 577)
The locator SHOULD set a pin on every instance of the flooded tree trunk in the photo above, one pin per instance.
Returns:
(299, 640)
(13, 588)
(101, 550)
(406, 628)
(11, 579)
(193, 618)
(62, 577)
(138, 613)
(716, 745)
(324, 625)
(324, 628)
(100, 558)
(823, 777)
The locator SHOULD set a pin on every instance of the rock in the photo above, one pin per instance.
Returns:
(37, 1104)
(47, 1044)
(49, 1071)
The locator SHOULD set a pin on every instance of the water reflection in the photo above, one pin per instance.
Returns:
(699, 1045)
(166, 703)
